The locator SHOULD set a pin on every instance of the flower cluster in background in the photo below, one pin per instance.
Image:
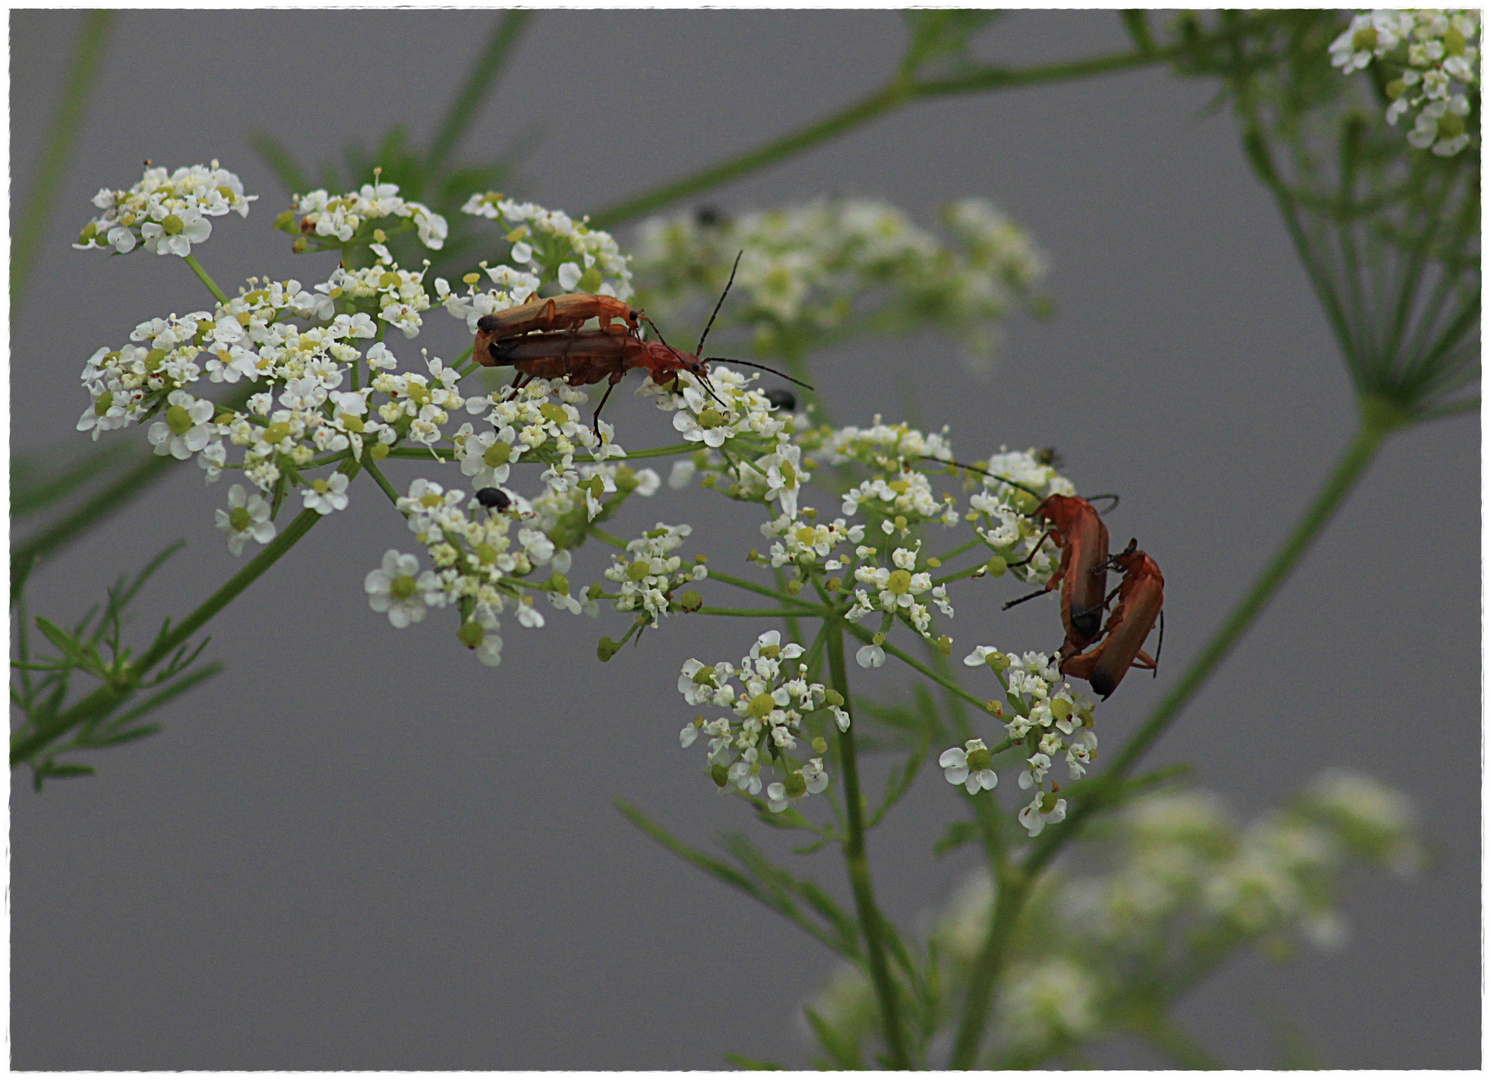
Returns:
(1168, 890)
(815, 273)
(1429, 59)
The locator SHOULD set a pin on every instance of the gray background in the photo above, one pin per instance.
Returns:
(358, 848)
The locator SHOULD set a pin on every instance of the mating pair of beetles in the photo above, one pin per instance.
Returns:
(542, 339)
(1076, 527)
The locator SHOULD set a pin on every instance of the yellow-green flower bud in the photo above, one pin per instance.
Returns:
(153, 359)
(486, 554)
(104, 403)
(771, 652)
(980, 759)
(820, 744)
(172, 224)
(388, 279)
(352, 423)
(997, 661)
(178, 420)
(997, 566)
(1061, 708)
(796, 786)
(276, 432)
(498, 454)
(284, 222)
(590, 280)
(833, 697)
(607, 649)
(761, 705)
(299, 247)
(1048, 802)
(89, 232)
(691, 601)
(379, 451)
(403, 587)
(554, 413)
(712, 418)
(471, 634)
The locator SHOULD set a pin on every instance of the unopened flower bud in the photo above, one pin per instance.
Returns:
(471, 634)
(607, 649)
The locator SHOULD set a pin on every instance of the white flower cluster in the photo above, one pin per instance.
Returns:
(1001, 514)
(167, 212)
(399, 294)
(897, 593)
(767, 709)
(1432, 55)
(649, 572)
(1048, 719)
(546, 246)
(1174, 888)
(335, 220)
(829, 266)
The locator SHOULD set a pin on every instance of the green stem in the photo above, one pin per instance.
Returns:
(31, 223)
(479, 83)
(381, 480)
(859, 867)
(772, 613)
(1167, 1037)
(1013, 885)
(762, 590)
(25, 746)
(947, 684)
(899, 91)
(1378, 421)
(94, 510)
(206, 278)
(862, 111)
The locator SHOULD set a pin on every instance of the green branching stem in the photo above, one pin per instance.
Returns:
(31, 222)
(1378, 421)
(26, 745)
(906, 658)
(859, 867)
(206, 278)
(484, 76)
(1167, 1037)
(901, 90)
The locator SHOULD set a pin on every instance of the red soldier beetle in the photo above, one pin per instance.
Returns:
(1141, 601)
(1078, 530)
(585, 357)
(568, 312)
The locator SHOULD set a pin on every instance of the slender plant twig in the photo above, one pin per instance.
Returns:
(31, 223)
(25, 745)
(859, 867)
(485, 74)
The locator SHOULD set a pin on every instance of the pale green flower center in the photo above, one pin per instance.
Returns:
(240, 518)
(402, 587)
(172, 224)
(178, 420)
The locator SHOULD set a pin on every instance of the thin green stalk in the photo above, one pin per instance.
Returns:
(381, 480)
(906, 658)
(484, 76)
(751, 613)
(762, 590)
(846, 119)
(24, 746)
(92, 511)
(606, 538)
(191, 261)
(1167, 1037)
(1378, 421)
(1013, 886)
(36, 212)
(859, 867)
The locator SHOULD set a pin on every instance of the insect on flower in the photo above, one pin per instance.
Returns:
(568, 312)
(586, 357)
(1078, 530)
(1141, 600)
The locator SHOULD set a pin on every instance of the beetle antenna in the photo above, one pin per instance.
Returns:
(1089, 498)
(721, 303)
(763, 367)
(984, 472)
(656, 331)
